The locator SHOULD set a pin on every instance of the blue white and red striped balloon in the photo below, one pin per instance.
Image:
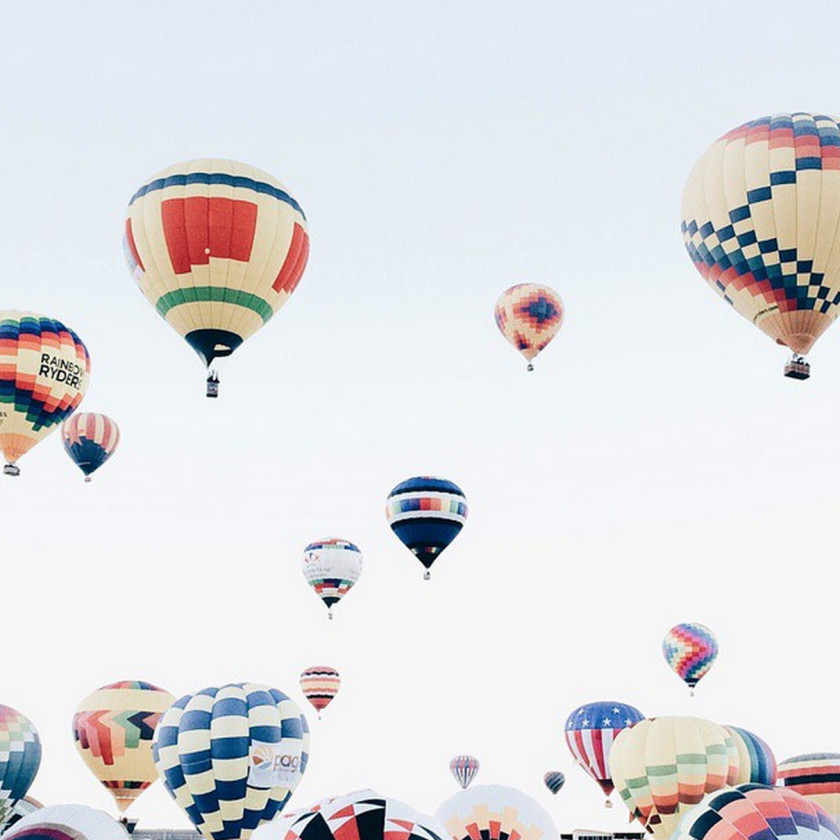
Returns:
(90, 440)
(756, 762)
(464, 769)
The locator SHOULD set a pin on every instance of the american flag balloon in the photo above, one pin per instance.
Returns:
(90, 440)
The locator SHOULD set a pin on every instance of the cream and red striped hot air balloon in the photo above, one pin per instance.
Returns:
(320, 684)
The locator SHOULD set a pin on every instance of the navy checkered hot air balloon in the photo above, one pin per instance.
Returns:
(20, 757)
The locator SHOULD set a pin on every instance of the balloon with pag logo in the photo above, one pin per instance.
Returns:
(67, 822)
(756, 812)
(554, 781)
(217, 247)
(529, 316)
(590, 731)
(464, 769)
(113, 729)
(90, 440)
(816, 776)
(320, 684)
(331, 567)
(759, 221)
(757, 764)
(426, 513)
(44, 373)
(232, 756)
(664, 766)
(495, 812)
(20, 758)
(690, 650)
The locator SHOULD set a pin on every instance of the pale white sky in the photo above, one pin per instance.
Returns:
(655, 468)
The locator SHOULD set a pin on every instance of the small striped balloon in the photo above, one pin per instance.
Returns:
(690, 649)
(319, 685)
(464, 769)
(90, 440)
(554, 780)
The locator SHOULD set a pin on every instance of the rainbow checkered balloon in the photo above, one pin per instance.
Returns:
(690, 649)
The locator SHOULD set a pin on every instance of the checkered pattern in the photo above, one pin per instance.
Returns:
(661, 771)
(690, 650)
(817, 777)
(529, 316)
(319, 685)
(757, 764)
(554, 781)
(203, 752)
(464, 768)
(34, 402)
(426, 513)
(590, 731)
(89, 439)
(331, 567)
(113, 730)
(363, 815)
(20, 757)
(756, 812)
(759, 221)
(495, 812)
(217, 247)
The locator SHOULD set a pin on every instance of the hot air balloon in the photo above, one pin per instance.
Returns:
(664, 766)
(690, 649)
(590, 731)
(217, 247)
(113, 730)
(20, 757)
(362, 815)
(44, 373)
(232, 756)
(331, 567)
(816, 776)
(89, 440)
(319, 685)
(67, 822)
(529, 316)
(760, 221)
(464, 769)
(426, 514)
(756, 812)
(554, 781)
(495, 812)
(757, 764)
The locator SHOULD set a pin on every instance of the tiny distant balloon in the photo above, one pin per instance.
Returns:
(331, 567)
(529, 316)
(816, 776)
(690, 649)
(319, 685)
(20, 758)
(44, 373)
(554, 781)
(90, 440)
(464, 768)
(426, 513)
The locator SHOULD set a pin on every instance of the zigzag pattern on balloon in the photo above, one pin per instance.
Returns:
(690, 649)
(20, 757)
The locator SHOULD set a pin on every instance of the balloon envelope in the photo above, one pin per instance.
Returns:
(756, 812)
(529, 315)
(67, 822)
(464, 769)
(664, 766)
(590, 731)
(331, 567)
(757, 764)
(760, 218)
(20, 758)
(816, 776)
(89, 439)
(113, 730)
(690, 650)
(231, 756)
(217, 247)
(426, 513)
(554, 780)
(44, 373)
(319, 685)
(495, 811)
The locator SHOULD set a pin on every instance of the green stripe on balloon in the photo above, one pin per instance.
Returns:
(216, 294)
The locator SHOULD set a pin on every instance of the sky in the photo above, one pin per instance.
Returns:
(655, 468)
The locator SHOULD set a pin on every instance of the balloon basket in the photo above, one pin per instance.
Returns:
(427, 575)
(608, 804)
(330, 615)
(797, 368)
(213, 386)
(11, 469)
(87, 479)
(530, 366)
(691, 692)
